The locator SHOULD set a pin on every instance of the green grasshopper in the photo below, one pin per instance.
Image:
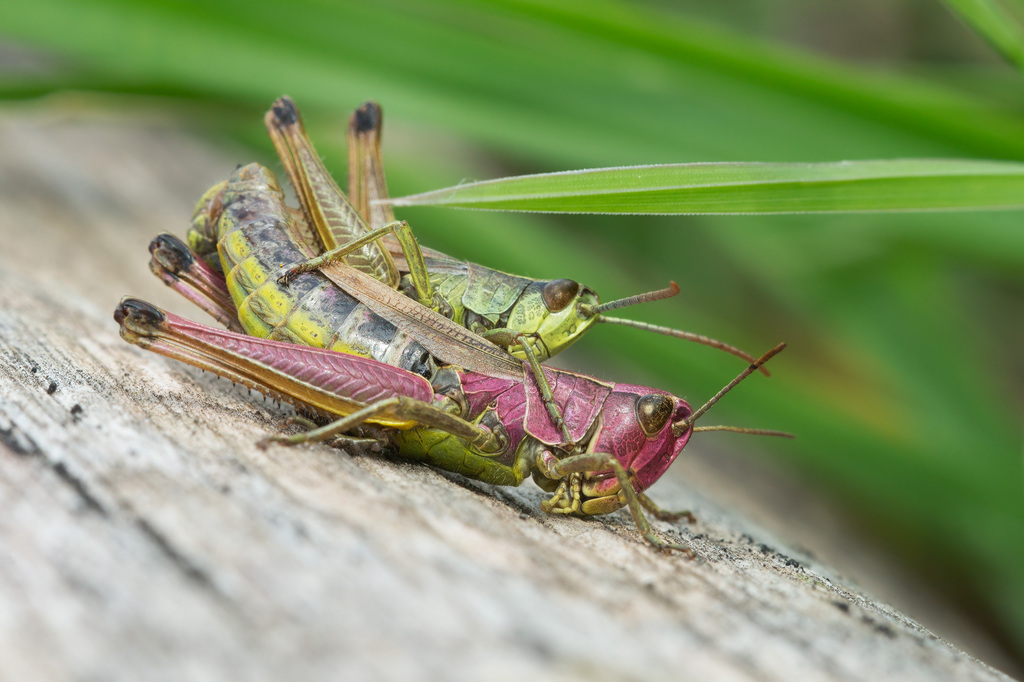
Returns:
(542, 318)
(519, 313)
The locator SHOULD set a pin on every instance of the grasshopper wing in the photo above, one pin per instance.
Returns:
(449, 342)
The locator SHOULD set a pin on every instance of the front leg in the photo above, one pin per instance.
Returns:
(603, 461)
(508, 337)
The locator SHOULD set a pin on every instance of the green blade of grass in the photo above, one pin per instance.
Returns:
(748, 188)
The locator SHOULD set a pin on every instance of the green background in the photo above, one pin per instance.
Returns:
(904, 378)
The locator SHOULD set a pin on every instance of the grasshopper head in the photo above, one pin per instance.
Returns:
(646, 429)
(637, 428)
(549, 312)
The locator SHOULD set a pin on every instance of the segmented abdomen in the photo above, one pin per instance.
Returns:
(256, 238)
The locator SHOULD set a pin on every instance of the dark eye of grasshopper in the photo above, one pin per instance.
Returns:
(653, 412)
(559, 293)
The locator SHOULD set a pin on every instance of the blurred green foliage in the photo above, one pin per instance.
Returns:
(904, 374)
(998, 21)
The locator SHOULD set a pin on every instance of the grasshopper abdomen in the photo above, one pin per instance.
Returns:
(255, 237)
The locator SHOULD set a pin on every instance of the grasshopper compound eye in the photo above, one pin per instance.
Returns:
(559, 293)
(653, 411)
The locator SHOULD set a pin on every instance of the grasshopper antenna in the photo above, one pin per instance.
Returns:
(668, 292)
(599, 311)
(680, 426)
(740, 429)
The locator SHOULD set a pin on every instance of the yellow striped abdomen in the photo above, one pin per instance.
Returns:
(256, 238)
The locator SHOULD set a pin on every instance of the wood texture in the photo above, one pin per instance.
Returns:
(144, 537)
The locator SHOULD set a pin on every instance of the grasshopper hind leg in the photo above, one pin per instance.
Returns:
(366, 441)
(482, 437)
(477, 449)
(368, 190)
(185, 271)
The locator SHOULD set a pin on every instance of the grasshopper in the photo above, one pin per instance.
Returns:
(596, 446)
(524, 315)
(625, 436)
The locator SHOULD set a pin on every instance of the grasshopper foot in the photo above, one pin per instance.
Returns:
(672, 517)
(290, 273)
(652, 508)
(296, 420)
(263, 443)
(666, 546)
(443, 307)
(353, 444)
(358, 446)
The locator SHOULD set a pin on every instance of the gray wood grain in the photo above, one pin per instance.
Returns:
(144, 537)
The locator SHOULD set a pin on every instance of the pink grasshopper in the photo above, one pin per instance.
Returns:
(491, 428)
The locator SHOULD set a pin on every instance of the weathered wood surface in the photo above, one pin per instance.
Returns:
(144, 537)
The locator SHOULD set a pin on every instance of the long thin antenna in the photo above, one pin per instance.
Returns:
(688, 336)
(741, 429)
(668, 292)
(683, 424)
(599, 311)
